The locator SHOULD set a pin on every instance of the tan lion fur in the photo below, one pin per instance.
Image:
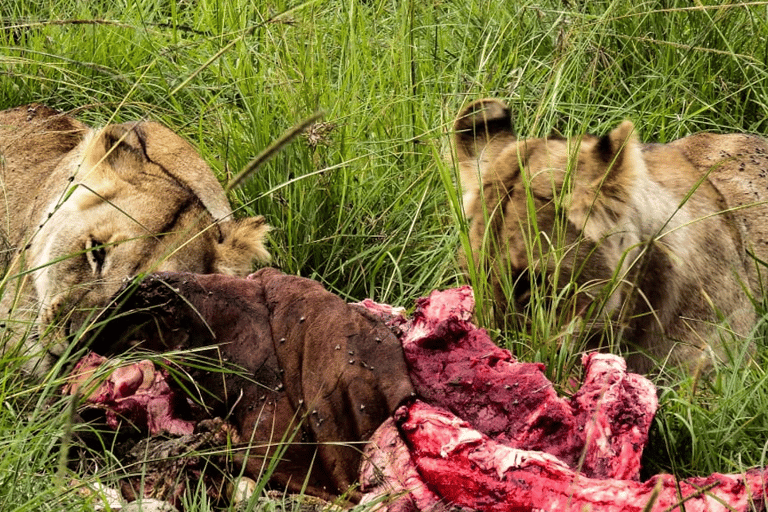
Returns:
(657, 241)
(84, 209)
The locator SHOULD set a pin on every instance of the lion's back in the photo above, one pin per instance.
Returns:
(51, 131)
(737, 166)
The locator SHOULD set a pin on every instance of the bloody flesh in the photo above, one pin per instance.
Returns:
(487, 432)
(496, 437)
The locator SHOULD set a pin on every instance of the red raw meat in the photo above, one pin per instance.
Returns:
(388, 470)
(455, 365)
(496, 436)
(137, 393)
(467, 469)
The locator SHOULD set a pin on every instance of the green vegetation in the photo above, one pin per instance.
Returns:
(365, 203)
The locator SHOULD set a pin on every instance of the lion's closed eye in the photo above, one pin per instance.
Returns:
(96, 253)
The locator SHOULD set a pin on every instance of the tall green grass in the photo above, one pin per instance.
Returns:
(370, 207)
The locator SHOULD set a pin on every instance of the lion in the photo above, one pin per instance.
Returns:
(654, 247)
(84, 210)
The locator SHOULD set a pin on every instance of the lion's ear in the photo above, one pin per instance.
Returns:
(110, 146)
(478, 124)
(241, 244)
(480, 133)
(608, 172)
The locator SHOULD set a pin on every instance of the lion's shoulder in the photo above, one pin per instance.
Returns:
(42, 123)
(34, 133)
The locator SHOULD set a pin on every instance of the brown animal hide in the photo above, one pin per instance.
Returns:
(296, 365)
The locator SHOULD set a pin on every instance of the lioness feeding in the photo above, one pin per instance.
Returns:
(654, 245)
(84, 209)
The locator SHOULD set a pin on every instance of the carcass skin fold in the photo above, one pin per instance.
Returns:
(287, 361)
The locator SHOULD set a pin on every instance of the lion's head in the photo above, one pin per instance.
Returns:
(651, 240)
(88, 209)
(542, 224)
